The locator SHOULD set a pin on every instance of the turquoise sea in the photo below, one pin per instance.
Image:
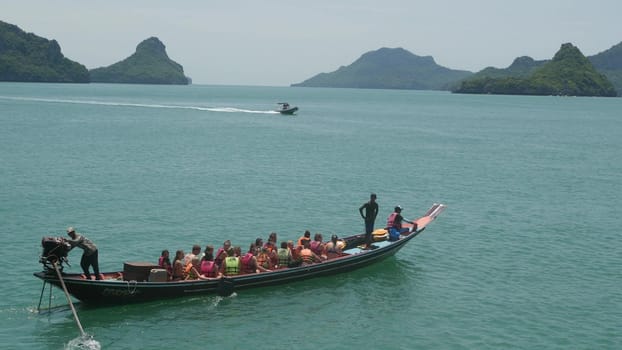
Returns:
(527, 255)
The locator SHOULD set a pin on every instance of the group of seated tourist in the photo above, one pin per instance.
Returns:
(260, 257)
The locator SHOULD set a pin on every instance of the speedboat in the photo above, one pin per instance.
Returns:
(286, 108)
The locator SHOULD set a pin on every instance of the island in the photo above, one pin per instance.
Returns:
(148, 65)
(609, 63)
(389, 68)
(26, 57)
(569, 73)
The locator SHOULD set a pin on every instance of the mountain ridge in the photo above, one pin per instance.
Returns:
(609, 63)
(388, 68)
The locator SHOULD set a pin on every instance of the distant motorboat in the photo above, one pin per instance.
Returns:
(285, 108)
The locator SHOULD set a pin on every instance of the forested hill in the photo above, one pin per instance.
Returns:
(148, 65)
(609, 62)
(521, 67)
(26, 57)
(568, 73)
(389, 68)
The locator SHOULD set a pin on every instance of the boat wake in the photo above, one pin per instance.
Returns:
(140, 105)
(84, 341)
(219, 299)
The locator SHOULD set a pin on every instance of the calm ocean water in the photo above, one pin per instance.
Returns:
(527, 255)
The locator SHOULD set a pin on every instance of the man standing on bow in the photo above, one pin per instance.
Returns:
(371, 211)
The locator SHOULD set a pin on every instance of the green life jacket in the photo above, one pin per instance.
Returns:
(232, 265)
(284, 256)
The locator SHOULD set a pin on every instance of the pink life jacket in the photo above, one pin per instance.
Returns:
(391, 219)
(315, 247)
(246, 259)
(217, 258)
(207, 268)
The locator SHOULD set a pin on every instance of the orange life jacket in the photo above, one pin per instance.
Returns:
(307, 255)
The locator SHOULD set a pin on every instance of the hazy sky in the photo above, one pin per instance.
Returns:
(280, 42)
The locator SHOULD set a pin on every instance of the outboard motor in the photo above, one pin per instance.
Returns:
(55, 250)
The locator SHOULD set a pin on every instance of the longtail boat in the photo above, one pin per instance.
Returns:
(122, 287)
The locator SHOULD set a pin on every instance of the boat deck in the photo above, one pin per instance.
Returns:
(359, 249)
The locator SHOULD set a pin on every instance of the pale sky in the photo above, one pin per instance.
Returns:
(280, 42)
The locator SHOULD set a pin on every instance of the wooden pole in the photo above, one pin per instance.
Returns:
(73, 310)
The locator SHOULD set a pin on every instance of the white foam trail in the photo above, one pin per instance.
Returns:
(218, 299)
(140, 105)
(84, 342)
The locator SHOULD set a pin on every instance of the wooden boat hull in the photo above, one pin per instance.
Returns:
(114, 291)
